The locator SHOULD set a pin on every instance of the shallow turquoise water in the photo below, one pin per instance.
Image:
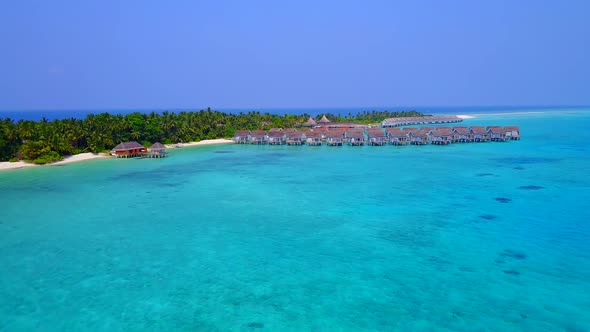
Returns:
(237, 237)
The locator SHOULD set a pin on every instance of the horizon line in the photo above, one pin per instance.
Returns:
(253, 109)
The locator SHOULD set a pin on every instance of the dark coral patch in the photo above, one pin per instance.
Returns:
(526, 160)
(224, 151)
(256, 325)
(531, 187)
(511, 272)
(484, 174)
(520, 168)
(503, 199)
(513, 254)
(488, 216)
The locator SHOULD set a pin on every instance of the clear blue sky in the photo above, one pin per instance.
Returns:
(263, 54)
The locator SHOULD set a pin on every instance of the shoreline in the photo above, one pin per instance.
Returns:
(203, 142)
(6, 165)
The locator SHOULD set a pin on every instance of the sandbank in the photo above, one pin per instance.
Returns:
(465, 116)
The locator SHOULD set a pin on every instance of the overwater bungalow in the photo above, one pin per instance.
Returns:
(419, 137)
(334, 137)
(408, 130)
(496, 133)
(295, 137)
(314, 137)
(157, 150)
(479, 134)
(397, 136)
(463, 134)
(241, 136)
(276, 137)
(405, 121)
(376, 136)
(355, 137)
(512, 132)
(258, 137)
(441, 136)
(129, 150)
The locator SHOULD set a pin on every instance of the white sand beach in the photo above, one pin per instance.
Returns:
(203, 142)
(80, 157)
(5, 165)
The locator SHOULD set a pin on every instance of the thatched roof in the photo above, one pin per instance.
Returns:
(157, 146)
(126, 146)
(310, 122)
(324, 120)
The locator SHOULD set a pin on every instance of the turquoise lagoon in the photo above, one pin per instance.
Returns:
(278, 238)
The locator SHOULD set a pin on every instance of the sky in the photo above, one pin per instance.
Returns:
(286, 54)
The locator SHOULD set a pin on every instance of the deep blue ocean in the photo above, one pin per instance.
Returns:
(465, 237)
(37, 115)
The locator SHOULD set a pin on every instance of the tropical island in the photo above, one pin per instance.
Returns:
(42, 142)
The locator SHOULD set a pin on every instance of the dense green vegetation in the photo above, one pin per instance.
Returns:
(47, 141)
